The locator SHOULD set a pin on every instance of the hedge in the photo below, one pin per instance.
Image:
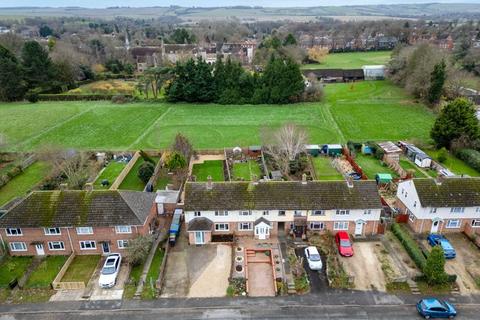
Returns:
(79, 97)
(471, 157)
(451, 278)
(410, 245)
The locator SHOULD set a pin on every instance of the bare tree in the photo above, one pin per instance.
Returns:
(182, 145)
(285, 145)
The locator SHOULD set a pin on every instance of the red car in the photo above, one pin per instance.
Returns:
(343, 243)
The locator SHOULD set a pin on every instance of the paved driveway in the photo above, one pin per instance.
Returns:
(318, 279)
(114, 293)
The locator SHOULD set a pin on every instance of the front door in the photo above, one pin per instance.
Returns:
(262, 232)
(106, 247)
(435, 226)
(40, 250)
(199, 237)
(359, 228)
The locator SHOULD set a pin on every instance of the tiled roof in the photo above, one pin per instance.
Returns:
(282, 195)
(80, 208)
(200, 224)
(452, 192)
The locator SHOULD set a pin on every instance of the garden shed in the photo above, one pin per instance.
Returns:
(254, 151)
(419, 157)
(391, 150)
(313, 149)
(366, 149)
(332, 149)
(382, 178)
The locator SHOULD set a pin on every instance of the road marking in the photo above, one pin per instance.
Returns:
(149, 129)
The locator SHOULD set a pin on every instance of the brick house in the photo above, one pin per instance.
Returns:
(262, 209)
(84, 222)
(436, 206)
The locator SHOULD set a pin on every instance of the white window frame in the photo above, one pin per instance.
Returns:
(341, 225)
(51, 245)
(367, 211)
(221, 213)
(242, 224)
(475, 223)
(266, 212)
(456, 224)
(222, 226)
(342, 212)
(318, 212)
(297, 213)
(282, 213)
(457, 210)
(48, 231)
(245, 213)
(18, 232)
(411, 217)
(83, 245)
(317, 225)
(433, 210)
(119, 229)
(84, 230)
(197, 213)
(122, 244)
(14, 249)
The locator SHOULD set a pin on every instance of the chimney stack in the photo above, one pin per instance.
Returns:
(209, 183)
(63, 186)
(89, 186)
(439, 180)
(254, 179)
(349, 181)
(304, 178)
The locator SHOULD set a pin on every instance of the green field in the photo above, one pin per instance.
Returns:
(351, 60)
(370, 110)
(245, 170)
(324, 169)
(23, 183)
(110, 173)
(213, 168)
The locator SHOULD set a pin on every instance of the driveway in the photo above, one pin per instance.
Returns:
(365, 267)
(114, 293)
(318, 279)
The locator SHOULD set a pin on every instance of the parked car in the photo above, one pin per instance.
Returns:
(438, 239)
(313, 258)
(435, 308)
(344, 244)
(110, 270)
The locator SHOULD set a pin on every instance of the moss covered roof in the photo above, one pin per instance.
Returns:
(282, 195)
(451, 192)
(80, 208)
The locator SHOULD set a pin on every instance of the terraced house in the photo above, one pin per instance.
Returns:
(440, 206)
(84, 222)
(264, 209)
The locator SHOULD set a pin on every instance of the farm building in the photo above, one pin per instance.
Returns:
(391, 150)
(374, 72)
(335, 75)
(332, 149)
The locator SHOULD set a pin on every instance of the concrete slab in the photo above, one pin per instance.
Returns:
(176, 283)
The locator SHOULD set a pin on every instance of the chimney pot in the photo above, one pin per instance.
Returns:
(89, 186)
(304, 178)
(63, 186)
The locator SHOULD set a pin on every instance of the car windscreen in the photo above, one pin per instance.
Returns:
(345, 243)
(108, 270)
(315, 257)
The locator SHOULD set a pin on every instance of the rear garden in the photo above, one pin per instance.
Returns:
(244, 171)
(109, 174)
(452, 163)
(371, 166)
(132, 181)
(324, 170)
(213, 168)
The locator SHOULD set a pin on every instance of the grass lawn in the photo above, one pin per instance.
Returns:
(24, 182)
(454, 164)
(132, 181)
(324, 169)
(81, 269)
(134, 278)
(46, 272)
(152, 275)
(245, 170)
(11, 268)
(408, 165)
(351, 60)
(371, 166)
(368, 110)
(212, 168)
(110, 173)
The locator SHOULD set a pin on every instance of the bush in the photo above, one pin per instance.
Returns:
(176, 161)
(146, 157)
(32, 97)
(410, 245)
(138, 249)
(471, 157)
(78, 97)
(119, 99)
(442, 155)
(434, 270)
(146, 171)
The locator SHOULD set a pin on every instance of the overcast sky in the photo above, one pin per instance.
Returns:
(209, 3)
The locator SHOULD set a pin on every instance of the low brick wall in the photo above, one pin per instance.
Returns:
(125, 171)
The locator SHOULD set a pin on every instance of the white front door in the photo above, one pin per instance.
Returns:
(435, 226)
(359, 228)
(40, 250)
(262, 231)
(199, 237)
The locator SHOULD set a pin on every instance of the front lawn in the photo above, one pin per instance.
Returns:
(245, 170)
(131, 286)
(152, 275)
(324, 169)
(45, 273)
(13, 267)
(109, 173)
(454, 164)
(132, 181)
(371, 166)
(81, 269)
(213, 168)
(24, 182)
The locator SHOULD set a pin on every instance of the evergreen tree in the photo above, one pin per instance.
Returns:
(12, 85)
(457, 119)
(39, 69)
(434, 270)
(437, 81)
(290, 40)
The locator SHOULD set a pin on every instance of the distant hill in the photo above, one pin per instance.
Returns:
(431, 10)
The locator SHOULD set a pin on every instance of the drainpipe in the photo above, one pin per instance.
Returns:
(69, 238)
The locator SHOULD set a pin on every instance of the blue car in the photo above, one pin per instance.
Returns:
(438, 239)
(436, 308)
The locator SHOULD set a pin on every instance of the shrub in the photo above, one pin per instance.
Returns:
(146, 157)
(434, 269)
(119, 99)
(176, 161)
(77, 97)
(146, 171)
(410, 245)
(471, 157)
(442, 155)
(138, 249)
(32, 96)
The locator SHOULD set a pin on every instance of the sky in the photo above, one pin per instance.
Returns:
(209, 3)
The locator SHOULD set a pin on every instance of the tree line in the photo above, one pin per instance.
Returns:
(229, 83)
